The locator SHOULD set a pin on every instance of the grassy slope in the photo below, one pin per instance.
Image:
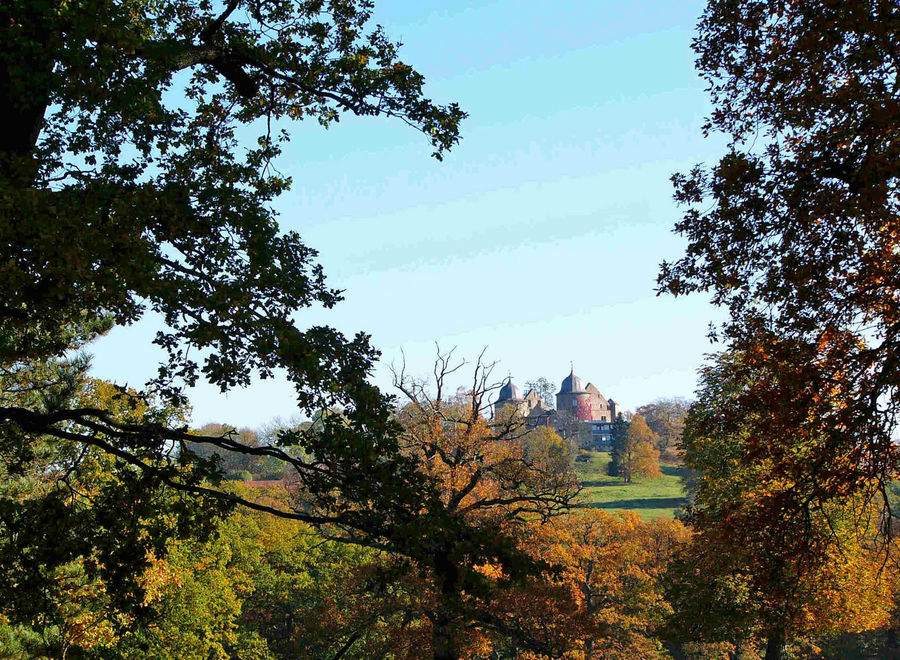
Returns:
(651, 498)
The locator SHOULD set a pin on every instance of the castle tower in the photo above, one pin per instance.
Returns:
(573, 398)
(509, 395)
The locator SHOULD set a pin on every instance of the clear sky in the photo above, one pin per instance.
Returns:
(539, 236)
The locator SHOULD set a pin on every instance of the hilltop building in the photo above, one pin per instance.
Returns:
(581, 410)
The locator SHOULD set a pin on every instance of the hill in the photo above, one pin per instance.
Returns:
(650, 498)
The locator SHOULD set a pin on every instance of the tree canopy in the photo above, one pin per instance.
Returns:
(495, 480)
(137, 172)
(138, 167)
(795, 229)
(665, 417)
(775, 554)
(78, 527)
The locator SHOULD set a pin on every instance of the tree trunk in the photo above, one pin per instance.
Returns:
(776, 646)
(442, 643)
(442, 636)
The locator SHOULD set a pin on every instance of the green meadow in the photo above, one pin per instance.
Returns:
(650, 498)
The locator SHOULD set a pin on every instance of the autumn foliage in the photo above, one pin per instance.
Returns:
(634, 451)
(612, 570)
(776, 553)
(425, 526)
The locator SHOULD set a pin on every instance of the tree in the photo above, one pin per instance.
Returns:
(545, 445)
(267, 587)
(127, 184)
(646, 461)
(775, 555)
(196, 591)
(794, 230)
(493, 484)
(260, 587)
(617, 440)
(665, 417)
(78, 528)
(613, 567)
(229, 462)
(117, 196)
(130, 180)
(545, 389)
(634, 451)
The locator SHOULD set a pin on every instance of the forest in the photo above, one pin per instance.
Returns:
(139, 167)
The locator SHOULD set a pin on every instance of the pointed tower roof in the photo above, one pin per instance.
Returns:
(571, 383)
(509, 392)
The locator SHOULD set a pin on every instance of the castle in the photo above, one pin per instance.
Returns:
(581, 410)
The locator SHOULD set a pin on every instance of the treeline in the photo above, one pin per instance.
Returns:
(241, 466)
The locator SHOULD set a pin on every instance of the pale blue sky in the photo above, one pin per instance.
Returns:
(539, 236)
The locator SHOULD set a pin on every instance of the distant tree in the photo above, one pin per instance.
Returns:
(665, 417)
(230, 463)
(618, 439)
(640, 458)
(634, 451)
(646, 461)
(271, 468)
(547, 446)
(545, 389)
